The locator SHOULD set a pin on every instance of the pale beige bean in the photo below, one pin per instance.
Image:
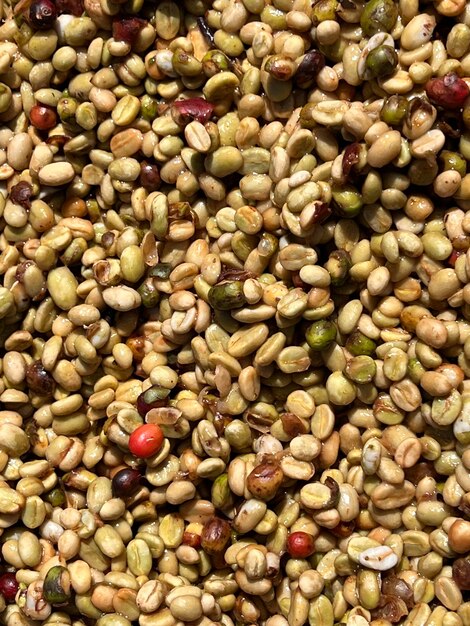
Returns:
(56, 174)
(384, 149)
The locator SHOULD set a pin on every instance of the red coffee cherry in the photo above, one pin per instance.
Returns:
(448, 91)
(146, 440)
(300, 545)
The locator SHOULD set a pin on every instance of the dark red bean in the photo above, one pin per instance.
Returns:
(21, 194)
(448, 91)
(308, 68)
(43, 117)
(8, 586)
(185, 111)
(152, 398)
(128, 29)
(42, 14)
(126, 482)
(39, 380)
(149, 176)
